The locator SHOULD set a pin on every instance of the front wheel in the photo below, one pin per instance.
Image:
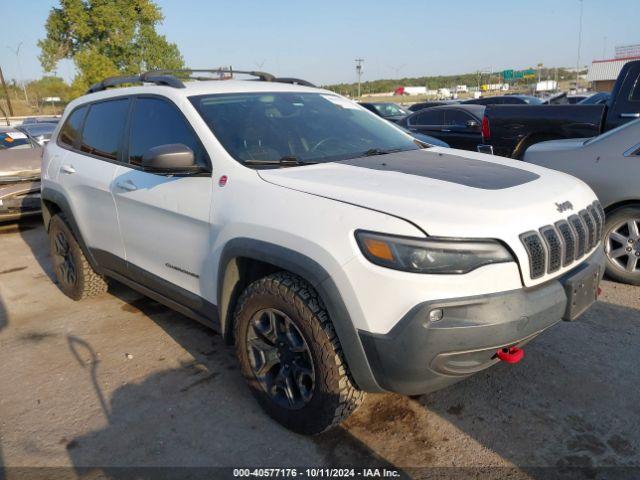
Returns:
(291, 357)
(622, 245)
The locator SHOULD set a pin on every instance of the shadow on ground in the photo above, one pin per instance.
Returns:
(183, 416)
(573, 401)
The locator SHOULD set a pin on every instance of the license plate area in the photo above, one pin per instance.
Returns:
(582, 291)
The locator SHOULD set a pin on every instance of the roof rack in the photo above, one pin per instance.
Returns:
(157, 78)
(172, 78)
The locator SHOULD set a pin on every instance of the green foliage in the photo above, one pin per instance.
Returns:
(444, 81)
(107, 37)
(49, 87)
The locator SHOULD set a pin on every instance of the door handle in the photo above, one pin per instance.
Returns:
(630, 115)
(445, 130)
(127, 185)
(68, 169)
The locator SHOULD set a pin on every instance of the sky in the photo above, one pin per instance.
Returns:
(319, 41)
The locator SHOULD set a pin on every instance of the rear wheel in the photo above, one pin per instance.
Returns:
(622, 245)
(75, 276)
(291, 357)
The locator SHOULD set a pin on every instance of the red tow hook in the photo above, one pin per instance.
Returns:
(510, 354)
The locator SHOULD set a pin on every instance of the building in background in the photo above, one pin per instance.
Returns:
(603, 73)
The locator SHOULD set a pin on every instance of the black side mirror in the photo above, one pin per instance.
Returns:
(171, 158)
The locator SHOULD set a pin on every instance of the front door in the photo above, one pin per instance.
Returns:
(164, 219)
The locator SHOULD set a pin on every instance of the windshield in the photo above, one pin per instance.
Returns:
(307, 127)
(14, 140)
(532, 100)
(595, 99)
(389, 109)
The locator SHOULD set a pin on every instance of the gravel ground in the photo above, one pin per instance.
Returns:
(121, 380)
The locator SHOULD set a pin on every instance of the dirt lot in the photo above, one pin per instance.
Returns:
(120, 380)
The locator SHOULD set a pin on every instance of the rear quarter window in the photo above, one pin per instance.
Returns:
(103, 128)
(70, 131)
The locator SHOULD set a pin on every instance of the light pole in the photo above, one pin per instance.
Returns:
(17, 52)
(359, 62)
(579, 45)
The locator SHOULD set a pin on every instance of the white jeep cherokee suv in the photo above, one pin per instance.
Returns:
(340, 255)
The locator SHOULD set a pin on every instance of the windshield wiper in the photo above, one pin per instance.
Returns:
(286, 161)
(378, 151)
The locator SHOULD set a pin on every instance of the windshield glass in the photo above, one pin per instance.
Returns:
(308, 127)
(13, 140)
(532, 100)
(389, 109)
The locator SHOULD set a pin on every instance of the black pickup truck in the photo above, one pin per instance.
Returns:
(510, 129)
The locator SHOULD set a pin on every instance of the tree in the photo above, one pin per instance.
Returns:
(49, 86)
(107, 37)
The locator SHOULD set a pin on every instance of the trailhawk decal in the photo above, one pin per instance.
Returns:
(448, 168)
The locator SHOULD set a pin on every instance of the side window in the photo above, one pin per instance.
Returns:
(428, 117)
(103, 128)
(70, 131)
(456, 118)
(157, 122)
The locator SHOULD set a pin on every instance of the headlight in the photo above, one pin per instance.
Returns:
(430, 255)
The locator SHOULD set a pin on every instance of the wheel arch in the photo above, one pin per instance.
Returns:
(54, 202)
(244, 260)
(531, 139)
(621, 204)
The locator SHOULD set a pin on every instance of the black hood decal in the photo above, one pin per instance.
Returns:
(447, 167)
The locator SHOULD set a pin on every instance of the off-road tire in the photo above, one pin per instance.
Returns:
(335, 395)
(612, 219)
(87, 282)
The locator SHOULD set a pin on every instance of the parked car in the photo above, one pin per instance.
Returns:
(304, 242)
(610, 165)
(38, 132)
(457, 125)
(600, 98)
(422, 105)
(511, 129)
(19, 182)
(33, 120)
(389, 111)
(505, 100)
(436, 142)
(12, 138)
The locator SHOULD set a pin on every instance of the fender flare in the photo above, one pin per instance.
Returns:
(60, 201)
(229, 278)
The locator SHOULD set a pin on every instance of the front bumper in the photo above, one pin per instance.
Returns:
(419, 356)
(19, 200)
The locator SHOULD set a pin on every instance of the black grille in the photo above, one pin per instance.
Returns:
(581, 235)
(598, 221)
(537, 255)
(554, 248)
(568, 239)
(591, 229)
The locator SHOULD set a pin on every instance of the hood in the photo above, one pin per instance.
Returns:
(447, 192)
(557, 145)
(22, 163)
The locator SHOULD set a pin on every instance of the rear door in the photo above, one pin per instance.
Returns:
(429, 122)
(164, 219)
(85, 173)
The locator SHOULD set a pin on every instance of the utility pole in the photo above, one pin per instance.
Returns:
(6, 93)
(579, 45)
(24, 88)
(359, 62)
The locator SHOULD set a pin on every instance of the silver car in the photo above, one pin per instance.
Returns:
(610, 165)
